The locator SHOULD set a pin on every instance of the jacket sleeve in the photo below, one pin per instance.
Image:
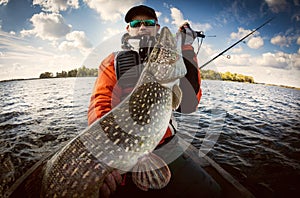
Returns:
(105, 93)
(190, 85)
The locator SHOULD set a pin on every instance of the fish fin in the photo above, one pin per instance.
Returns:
(151, 172)
(177, 96)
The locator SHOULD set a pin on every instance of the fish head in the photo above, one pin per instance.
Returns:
(166, 62)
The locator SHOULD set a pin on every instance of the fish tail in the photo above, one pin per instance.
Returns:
(151, 172)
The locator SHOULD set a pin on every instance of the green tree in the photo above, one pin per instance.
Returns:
(213, 75)
(72, 73)
(63, 74)
(84, 71)
(46, 75)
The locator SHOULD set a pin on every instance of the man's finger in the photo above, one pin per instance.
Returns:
(117, 176)
(111, 183)
(104, 191)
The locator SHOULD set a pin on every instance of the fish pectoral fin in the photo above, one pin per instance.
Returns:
(151, 172)
(176, 97)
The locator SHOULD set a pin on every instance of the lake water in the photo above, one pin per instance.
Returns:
(251, 130)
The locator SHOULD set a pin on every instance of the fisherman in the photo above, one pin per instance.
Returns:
(108, 91)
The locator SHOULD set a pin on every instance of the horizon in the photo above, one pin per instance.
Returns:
(53, 77)
(38, 36)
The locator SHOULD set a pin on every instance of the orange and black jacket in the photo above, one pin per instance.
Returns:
(106, 93)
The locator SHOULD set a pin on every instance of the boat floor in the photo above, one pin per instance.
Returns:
(29, 185)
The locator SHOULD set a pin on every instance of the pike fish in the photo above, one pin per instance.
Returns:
(124, 138)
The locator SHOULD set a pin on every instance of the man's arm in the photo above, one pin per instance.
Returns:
(104, 93)
(190, 85)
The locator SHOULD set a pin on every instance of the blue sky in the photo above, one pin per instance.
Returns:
(54, 35)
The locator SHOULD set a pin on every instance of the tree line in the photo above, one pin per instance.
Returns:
(205, 74)
(80, 72)
(227, 76)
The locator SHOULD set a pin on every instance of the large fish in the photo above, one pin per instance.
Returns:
(125, 137)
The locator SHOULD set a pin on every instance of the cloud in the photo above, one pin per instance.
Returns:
(110, 32)
(47, 26)
(240, 34)
(281, 41)
(20, 53)
(166, 20)
(178, 20)
(177, 17)
(4, 2)
(279, 60)
(277, 6)
(239, 60)
(238, 49)
(76, 40)
(111, 10)
(158, 14)
(298, 40)
(255, 42)
(56, 5)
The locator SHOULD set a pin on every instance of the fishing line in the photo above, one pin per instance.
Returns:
(236, 43)
(199, 44)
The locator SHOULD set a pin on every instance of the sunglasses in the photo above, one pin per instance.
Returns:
(138, 23)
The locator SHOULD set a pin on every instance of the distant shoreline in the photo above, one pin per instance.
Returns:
(19, 79)
(283, 86)
(23, 79)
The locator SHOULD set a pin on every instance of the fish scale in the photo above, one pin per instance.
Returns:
(124, 138)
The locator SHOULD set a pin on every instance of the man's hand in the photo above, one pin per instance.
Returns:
(110, 184)
(187, 34)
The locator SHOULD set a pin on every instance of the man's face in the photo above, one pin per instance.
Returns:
(143, 29)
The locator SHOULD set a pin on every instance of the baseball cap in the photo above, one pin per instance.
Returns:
(140, 10)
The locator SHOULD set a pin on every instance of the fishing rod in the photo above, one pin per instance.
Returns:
(220, 54)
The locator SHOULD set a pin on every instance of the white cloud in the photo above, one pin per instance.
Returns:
(178, 20)
(177, 17)
(158, 14)
(255, 42)
(76, 40)
(32, 58)
(240, 34)
(238, 60)
(47, 26)
(110, 32)
(111, 10)
(3, 2)
(238, 49)
(56, 5)
(281, 41)
(277, 6)
(166, 20)
(280, 60)
(298, 40)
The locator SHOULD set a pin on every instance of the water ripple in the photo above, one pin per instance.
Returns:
(251, 130)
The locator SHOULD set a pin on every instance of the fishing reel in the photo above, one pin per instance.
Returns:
(200, 34)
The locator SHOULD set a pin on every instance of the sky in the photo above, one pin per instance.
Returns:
(54, 35)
